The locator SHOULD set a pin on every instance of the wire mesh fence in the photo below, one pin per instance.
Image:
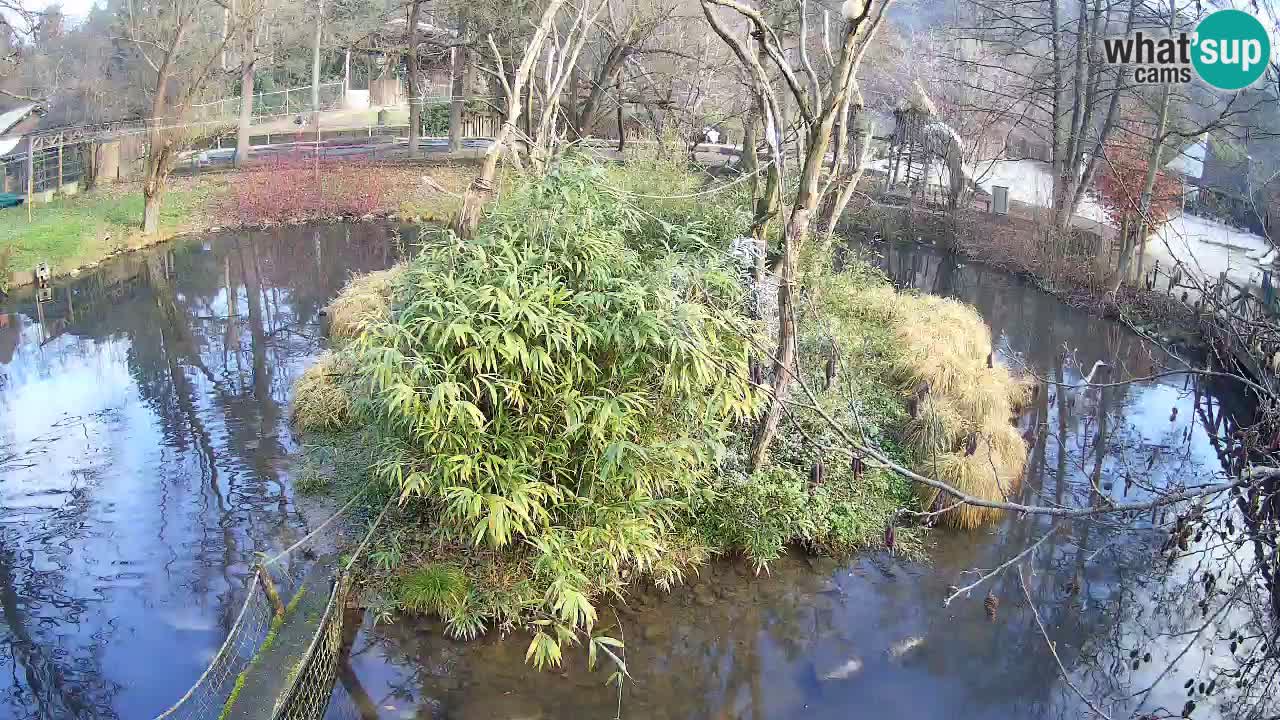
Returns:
(309, 693)
(306, 689)
(273, 104)
(51, 169)
(208, 696)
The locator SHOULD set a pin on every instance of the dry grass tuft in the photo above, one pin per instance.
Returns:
(321, 400)
(937, 427)
(365, 300)
(961, 430)
(992, 472)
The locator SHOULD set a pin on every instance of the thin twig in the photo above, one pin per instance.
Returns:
(1053, 649)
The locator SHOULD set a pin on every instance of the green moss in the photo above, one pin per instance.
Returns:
(297, 598)
(270, 640)
(235, 694)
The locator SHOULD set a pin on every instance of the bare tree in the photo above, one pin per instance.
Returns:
(818, 105)
(181, 41)
(1036, 64)
(248, 15)
(18, 25)
(315, 64)
(415, 77)
(458, 82)
(628, 27)
(558, 68)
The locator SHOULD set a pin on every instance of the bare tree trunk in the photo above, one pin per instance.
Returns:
(750, 159)
(1060, 159)
(797, 232)
(159, 144)
(810, 190)
(607, 78)
(457, 99)
(1148, 182)
(1154, 163)
(248, 66)
(155, 181)
(622, 128)
(1079, 111)
(415, 96)
(481, 189)
(850, 179)
(785, 357)
(315, 63)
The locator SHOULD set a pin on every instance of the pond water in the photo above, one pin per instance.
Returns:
(144, 459)
(144, 446)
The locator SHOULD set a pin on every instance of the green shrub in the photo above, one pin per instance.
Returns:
(762, 513)
(563, 405)
(554, 393)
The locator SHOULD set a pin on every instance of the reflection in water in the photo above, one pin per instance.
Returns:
(143, 444)
(871, 636)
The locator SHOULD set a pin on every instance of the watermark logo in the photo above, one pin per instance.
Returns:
(1229, 50)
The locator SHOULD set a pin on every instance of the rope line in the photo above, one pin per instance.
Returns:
(369, 535)
(321, 526)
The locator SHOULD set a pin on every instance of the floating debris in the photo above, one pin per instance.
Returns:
(900, 649)
(844, 671)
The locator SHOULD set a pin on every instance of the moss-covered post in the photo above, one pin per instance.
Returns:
(269, 586)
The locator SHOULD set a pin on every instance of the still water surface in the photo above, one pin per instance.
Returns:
(144, 458)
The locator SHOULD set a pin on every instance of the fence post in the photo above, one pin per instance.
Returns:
(31, 177)
(269, 586)
(60, 176)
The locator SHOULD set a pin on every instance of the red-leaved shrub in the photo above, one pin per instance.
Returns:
(1122, 180)
(295, 188)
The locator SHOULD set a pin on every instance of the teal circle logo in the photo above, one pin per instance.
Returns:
(1232, 49)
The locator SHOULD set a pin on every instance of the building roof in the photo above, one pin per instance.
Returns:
(8, 144)
(15, 116)
(1189, 161)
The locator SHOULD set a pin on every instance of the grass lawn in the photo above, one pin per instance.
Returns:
(72, 232)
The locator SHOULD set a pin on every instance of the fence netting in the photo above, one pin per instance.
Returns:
(309, 692)
(208, 696)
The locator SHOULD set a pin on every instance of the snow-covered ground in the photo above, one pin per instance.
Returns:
(1030, 182)
(1209, 248)
(1206, 247)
